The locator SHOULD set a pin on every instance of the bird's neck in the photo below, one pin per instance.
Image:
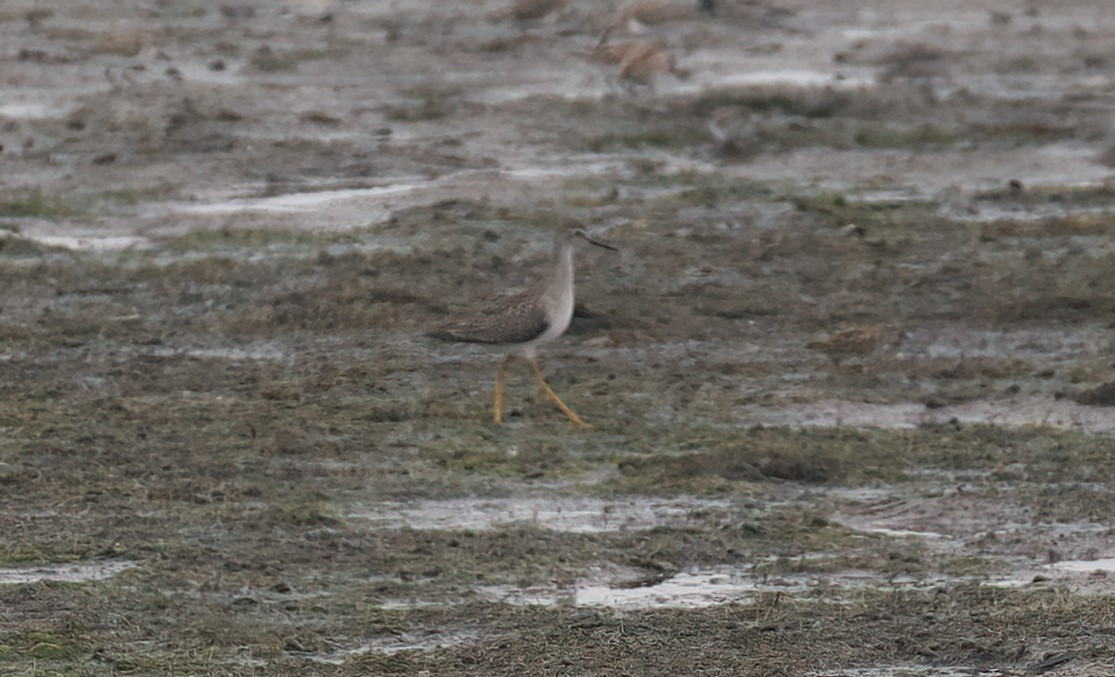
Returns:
(561, 277)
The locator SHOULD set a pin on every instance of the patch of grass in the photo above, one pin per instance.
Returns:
(1018, 64)
(133, 196)
(859, 457)
(842, 210)
(319, 118)
(1051, 305)
(53, 646)
(784, 136)
(923, 137)
(97, 322)
(809, 103)
(427, 103)
(16, 246)
(1020, 133)
(422, 111)
(56, 649)
(825, 203)
(1092, 371)
(269, 60)
(969, 565)
(35, 205)
(492, 461)
(24, 554)
(811, 457)
(1067, 196)
(176, 11)
(534, 219)
(1054, 227)
(228, 49)
(773, 635)
(703, 472)
(234, 238)
(310, 509)
(644, 168)
(702, 190)
(674, 137)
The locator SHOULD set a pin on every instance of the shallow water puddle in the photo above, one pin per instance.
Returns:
(691, 590)
(1101, 566)
(252, 352)
(900, 533)
(93, 243)
(296, 202)
(788, 77)
(687, 590)
(396, 644)
(1015, 413)
(1032, 345)
(66, 573)
(697, 588)
(909, 671)
(573, 514)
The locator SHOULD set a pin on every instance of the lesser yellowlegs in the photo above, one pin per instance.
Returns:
(529, 320)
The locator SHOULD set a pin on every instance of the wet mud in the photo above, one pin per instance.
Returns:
(850, 375)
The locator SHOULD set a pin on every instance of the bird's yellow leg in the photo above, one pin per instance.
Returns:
(555, 399)
(501, 376)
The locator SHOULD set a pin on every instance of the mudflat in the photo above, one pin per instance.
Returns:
(850, 377)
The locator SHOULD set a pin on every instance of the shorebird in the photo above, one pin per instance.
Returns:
(526, 321)
(638, 61)
(640, 65)
(853, 342)
(734, 130)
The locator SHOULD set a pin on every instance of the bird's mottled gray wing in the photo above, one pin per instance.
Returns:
(513, 323)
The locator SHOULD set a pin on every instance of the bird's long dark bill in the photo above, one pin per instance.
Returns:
(596, 242)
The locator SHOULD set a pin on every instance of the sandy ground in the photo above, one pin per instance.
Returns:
(850, 373)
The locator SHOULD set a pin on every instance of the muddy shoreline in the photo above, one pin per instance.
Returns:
(850, 375)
